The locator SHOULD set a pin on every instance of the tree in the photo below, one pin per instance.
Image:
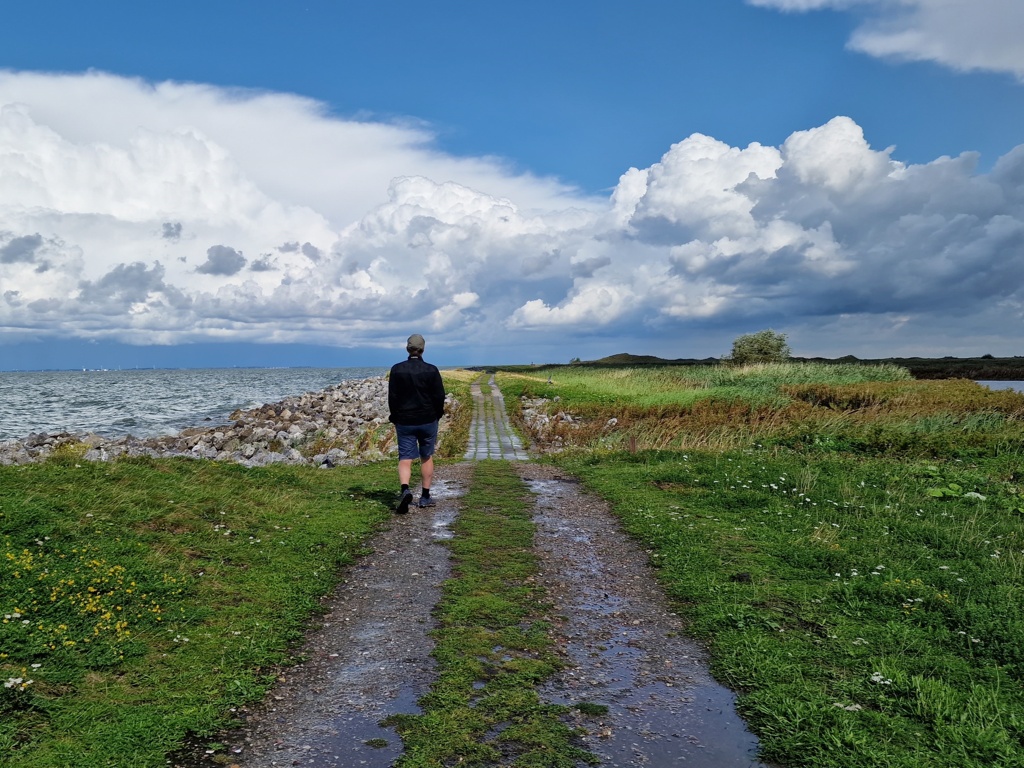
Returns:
(765, 346)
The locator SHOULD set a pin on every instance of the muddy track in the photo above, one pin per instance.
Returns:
(369, 655)
(626, 649)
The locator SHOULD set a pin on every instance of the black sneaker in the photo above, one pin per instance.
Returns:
(404, 499)
(427, 501)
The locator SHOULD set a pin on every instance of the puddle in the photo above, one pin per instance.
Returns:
(442, 525)
(446, 489)
(626, 647)
(444, 516)
(355, 738)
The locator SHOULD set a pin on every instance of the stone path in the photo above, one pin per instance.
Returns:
(491, 437)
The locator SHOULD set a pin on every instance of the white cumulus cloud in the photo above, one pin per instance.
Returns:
(961, 34)
(145, 213)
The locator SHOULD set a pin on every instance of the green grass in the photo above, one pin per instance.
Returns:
(871, 410)
(684, 385)
(493, 648)
(145, 599)
(849, 544)
(855, 567)
(455, 437)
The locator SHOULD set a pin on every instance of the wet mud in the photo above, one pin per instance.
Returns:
(626, 650)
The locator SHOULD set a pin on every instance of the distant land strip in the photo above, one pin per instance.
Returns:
(984, 368)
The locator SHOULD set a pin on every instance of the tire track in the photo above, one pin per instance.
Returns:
(366, 658)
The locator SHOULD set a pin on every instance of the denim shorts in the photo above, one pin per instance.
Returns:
(416, 440)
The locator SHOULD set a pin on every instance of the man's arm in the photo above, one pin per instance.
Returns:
(394, 396)
(438, 395)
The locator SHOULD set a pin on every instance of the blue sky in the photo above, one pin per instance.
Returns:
(207, 183)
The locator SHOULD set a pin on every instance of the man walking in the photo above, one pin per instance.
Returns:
(416, 400)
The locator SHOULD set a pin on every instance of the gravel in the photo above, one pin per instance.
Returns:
(626, 648)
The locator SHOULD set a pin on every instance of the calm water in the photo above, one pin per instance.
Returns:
(146, 403)
(1017, 385)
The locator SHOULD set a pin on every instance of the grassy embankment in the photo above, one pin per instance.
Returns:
(143, 599)
(848, 543)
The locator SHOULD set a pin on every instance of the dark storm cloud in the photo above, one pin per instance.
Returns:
(42, 306)
(128, 284)
(311, 252)
(222, 260)
(263, 264)
(125, 283)
(539, 262)
(587, 267)
(21, 249)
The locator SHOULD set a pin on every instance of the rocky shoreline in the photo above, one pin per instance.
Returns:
(343, 424)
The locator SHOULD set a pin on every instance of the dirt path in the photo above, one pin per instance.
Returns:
(369, 657)
(627, 649)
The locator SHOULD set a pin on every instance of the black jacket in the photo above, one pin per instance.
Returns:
(415, 393)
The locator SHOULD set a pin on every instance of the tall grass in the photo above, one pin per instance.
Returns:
(683, 385)
(860, 408)
(454, 437)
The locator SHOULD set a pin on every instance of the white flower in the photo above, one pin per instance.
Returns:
(849, 708)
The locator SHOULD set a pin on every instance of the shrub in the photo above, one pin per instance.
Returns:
(765, 346)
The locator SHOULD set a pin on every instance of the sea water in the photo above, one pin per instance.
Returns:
(1016, 385)
(147, 403)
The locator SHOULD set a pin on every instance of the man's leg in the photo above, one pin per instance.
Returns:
(427, 473)
(427, 477)
(404, 471)
(406, 448)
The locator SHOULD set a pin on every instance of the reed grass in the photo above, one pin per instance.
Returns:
(860, 408)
